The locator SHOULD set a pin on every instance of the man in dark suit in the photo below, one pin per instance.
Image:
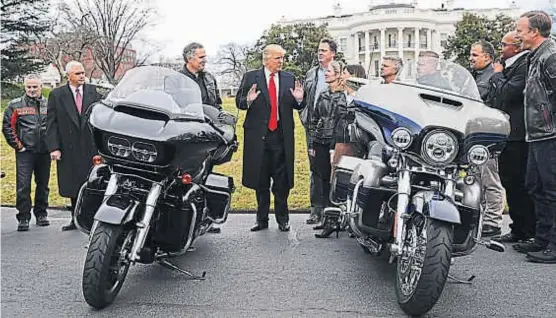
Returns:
(269, 134)
(69, 139)
(507, 86)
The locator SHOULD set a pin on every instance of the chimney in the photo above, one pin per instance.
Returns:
(450, 4)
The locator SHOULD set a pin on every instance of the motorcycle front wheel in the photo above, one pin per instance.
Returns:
(423, 267)
(106, 264)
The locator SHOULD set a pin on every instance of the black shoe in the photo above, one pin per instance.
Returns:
(511, 238)
(547, 256)
(69, 227)
(42, 221)
(327, 231)
(318, 227)
(214, 230)
(284, 227)
(489, 230)
(529, 247)
(23, 225)
(259, 226)
(313, 220)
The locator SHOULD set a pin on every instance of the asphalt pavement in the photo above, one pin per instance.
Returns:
(263, 274)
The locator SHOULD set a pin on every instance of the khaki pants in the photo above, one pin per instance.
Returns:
(494, 196)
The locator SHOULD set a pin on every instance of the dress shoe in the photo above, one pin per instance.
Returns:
(284, 227)
(69, 227)
(529, 247)
(547, 256)
(259, 226)
(23, 225)
(42, 221)
(489, 230)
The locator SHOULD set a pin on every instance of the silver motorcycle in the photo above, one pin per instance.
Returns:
(416, 192)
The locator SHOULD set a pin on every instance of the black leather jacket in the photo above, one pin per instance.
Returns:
(482, 78)
(24, 124)
(540, 93)
(330, 107)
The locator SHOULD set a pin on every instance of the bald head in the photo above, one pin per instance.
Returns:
(510, 45)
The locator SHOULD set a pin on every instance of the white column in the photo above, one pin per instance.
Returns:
(367, 51)
(382, 43)
(356, 47)
(400, 42)
(429, 39)
(417, 42)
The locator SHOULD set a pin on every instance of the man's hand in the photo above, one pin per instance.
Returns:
(312, 152)
(56, 155)
(22, 149)
(298, 91)
(253, 93)
(498, 67)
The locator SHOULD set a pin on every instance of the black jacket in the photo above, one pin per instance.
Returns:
(507, 87)
(482, 78)
(323, 124)
(540, 93)
(24, 124)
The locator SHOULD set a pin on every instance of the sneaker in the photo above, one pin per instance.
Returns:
(23, 225)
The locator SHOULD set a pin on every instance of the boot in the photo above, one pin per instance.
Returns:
(330, 224)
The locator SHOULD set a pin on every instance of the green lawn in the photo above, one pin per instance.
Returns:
(243, 198)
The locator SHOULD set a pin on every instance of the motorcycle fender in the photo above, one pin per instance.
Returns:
(116, 210)
(435, 207)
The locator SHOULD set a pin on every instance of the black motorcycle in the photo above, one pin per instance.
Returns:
(151, 191)
(415, 192)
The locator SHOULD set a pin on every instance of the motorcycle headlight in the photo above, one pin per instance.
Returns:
(478, 155)
(144, 152)
(401, 138)
(119, 146)
(439, 147)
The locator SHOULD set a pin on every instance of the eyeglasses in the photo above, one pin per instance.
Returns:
(504, 44)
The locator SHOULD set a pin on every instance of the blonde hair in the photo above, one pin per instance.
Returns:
(272, 48)
(338, 68)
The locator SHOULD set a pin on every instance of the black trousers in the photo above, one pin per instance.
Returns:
(541, 182)
(28, 163)
(273, 168)
(512, 169)
(322, 169)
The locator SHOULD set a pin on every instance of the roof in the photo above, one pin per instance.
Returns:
(392, 6)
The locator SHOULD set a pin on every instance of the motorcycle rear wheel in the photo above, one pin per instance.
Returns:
(106, 264)
(423, 267)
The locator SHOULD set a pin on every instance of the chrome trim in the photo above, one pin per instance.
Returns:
(77, 208)
(144, 224)
(404, 191)
(226, 208)
(193, 222)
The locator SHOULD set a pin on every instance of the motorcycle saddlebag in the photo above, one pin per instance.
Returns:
(341, 177)
(220, 188)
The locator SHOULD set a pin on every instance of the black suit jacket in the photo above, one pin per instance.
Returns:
(68, 131)
(507, 87)
(256, 123)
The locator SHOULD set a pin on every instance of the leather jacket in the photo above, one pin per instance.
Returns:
(208, 86)
(309, 88)
(482, 78)
(331, 106)
(24, 124)
(540, 93)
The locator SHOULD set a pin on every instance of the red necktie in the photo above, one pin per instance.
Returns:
(273, 123)
(78, 100)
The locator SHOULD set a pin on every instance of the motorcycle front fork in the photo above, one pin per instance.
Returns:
(404, 191)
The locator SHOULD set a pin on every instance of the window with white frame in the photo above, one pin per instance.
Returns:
(343, 43)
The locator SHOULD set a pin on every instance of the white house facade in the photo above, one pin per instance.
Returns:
(398, 28)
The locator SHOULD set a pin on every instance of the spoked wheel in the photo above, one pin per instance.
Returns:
(107, 264)
(423, 267)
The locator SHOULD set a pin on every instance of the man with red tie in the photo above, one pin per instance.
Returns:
(68, 137)
(269, 95)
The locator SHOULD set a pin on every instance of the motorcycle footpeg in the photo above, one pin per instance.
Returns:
(493, 245)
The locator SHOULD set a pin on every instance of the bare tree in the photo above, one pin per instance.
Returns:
(115, 24)
(231, 59)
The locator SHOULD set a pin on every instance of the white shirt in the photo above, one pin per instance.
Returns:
(73, 91)
(277, 84)
(514, 58)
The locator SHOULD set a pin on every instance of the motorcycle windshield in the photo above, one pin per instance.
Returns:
(161, 89)
(433, 73)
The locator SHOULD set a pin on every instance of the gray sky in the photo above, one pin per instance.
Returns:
(217, 22)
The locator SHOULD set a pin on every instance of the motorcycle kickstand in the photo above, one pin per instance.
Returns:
(461, 281)
(192, 276)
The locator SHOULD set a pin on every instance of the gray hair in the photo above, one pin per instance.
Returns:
(398, 62)
(32, 77)
(272, 47)
(189, 50)
(71, 64)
